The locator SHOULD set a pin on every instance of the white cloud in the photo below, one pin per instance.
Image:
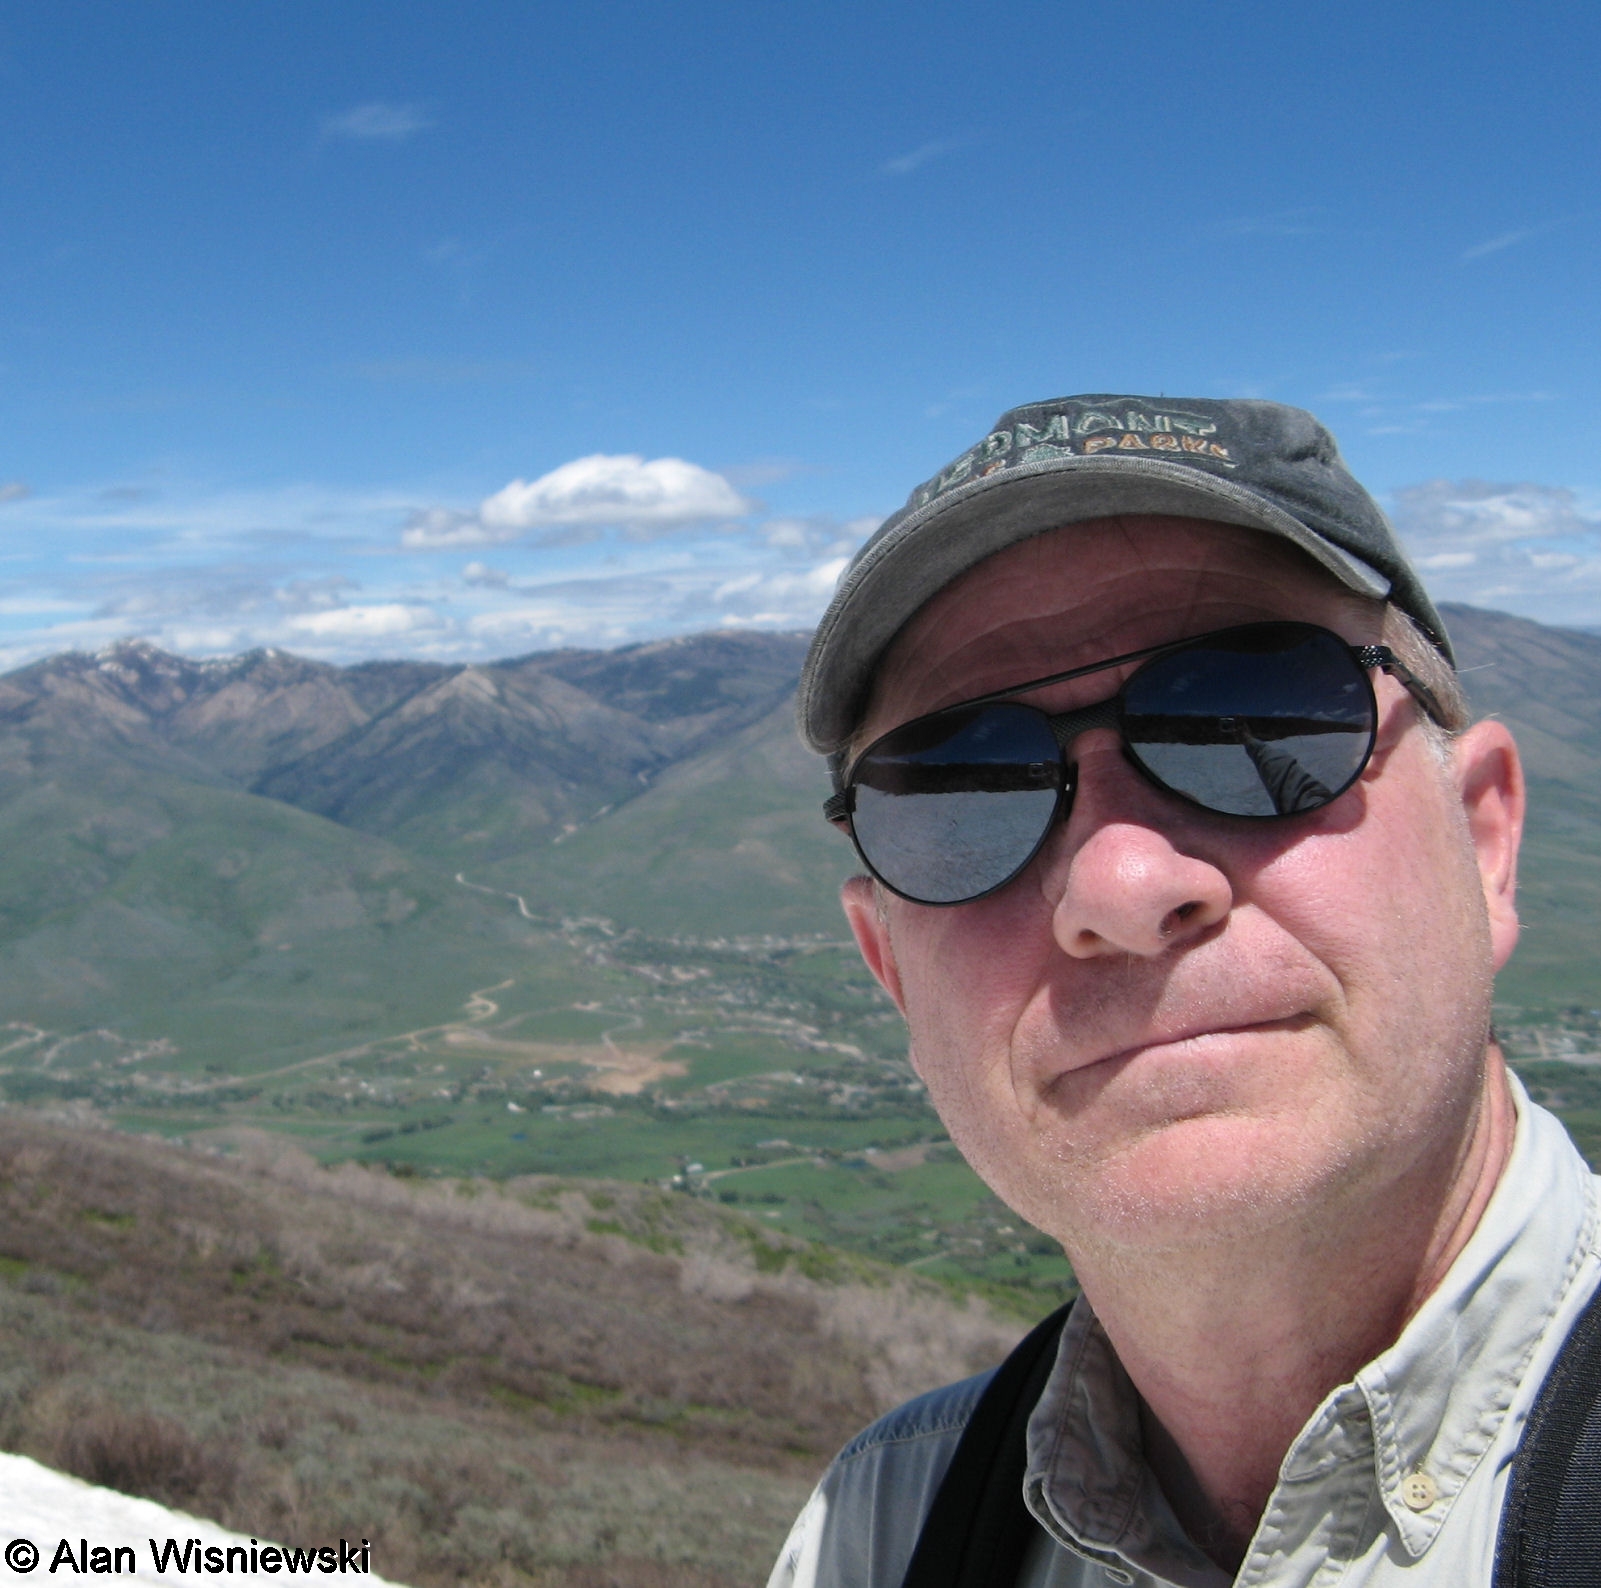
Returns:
(326, 573)
(817, 536)
(1477, 512)
(376, 121)
(763, 597)
(430, 528)
(1386, 414)
(761, 471)
(1527, 548)
(617, 608)
(625, 491)
(580, 500)
(15, 491)
(34, 606)
(364, 622)
(788, 534)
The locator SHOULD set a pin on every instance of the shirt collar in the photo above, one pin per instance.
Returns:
(1436, 1398)
(1427, 1408)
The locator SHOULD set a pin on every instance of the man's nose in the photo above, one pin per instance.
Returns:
(1119, 879)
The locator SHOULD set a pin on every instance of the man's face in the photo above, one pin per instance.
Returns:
(1176, 1026)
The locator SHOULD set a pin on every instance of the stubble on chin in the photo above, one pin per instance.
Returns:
(1114, 1160)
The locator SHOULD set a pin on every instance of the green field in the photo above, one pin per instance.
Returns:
(768, 1076)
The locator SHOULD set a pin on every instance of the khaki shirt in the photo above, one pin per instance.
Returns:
(1398, 1478)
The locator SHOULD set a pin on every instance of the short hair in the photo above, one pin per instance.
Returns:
(1402, 633)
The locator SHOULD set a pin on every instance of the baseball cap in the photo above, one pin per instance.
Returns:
(1236, 461)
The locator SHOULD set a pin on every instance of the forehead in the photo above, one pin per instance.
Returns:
(1092, 590)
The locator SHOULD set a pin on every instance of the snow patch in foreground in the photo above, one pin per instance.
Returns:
(44, 1507)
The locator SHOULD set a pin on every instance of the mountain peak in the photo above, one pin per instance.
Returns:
(130, 651)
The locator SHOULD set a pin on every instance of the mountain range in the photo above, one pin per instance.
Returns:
(271, 849)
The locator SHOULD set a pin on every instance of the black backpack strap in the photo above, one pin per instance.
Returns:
(1551, 1523)
(977, 1530)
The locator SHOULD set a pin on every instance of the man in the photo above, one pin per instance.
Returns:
(1195, 950)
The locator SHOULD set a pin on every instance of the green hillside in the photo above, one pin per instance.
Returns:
(238, 930)
(729, 843)
(1546, 685)
(577, 913)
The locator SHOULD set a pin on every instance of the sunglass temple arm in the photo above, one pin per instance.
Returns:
(1382, 657)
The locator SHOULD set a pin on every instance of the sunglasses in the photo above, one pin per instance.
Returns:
(1264, 720)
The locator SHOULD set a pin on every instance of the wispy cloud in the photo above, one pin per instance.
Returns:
(376, 122)
(622, 549)
(1505, 240)
(761, 471)
(15, 491)
(905, 164)
(1303, 222)
(384, 620)
(436, 371)
(1527, 548)
(1494, 245)
(1386, 414)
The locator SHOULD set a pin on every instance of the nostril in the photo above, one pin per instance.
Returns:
(1176, 917)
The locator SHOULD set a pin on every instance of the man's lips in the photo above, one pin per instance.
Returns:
(1197, 1037)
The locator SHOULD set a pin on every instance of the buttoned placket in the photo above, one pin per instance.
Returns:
(1391, 1451)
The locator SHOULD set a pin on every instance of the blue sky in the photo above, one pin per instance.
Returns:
(328, 326)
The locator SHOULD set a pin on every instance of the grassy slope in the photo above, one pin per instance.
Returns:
(729, 843)
(243, 930)
(1546, 685)
(532, 1383)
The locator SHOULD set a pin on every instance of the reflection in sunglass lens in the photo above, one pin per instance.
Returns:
(1266, 721)
(1272, 719)
(952, 805)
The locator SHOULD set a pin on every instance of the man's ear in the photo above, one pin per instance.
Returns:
(1489, 779)
(870, 928)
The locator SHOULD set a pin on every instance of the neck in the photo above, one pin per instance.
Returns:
(1232, 1347)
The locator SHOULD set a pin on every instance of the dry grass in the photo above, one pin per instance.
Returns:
(537, 1383)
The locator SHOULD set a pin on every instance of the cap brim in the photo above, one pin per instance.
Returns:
(928, 548)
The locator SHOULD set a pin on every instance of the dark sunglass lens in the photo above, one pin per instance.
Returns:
(951, 806)
(1269, 720)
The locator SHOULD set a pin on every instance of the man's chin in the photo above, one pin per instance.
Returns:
(1185, 1184)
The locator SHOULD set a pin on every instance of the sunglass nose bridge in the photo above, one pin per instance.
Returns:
(1070, 724)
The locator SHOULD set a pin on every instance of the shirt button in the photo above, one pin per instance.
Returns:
(1419, 1491)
